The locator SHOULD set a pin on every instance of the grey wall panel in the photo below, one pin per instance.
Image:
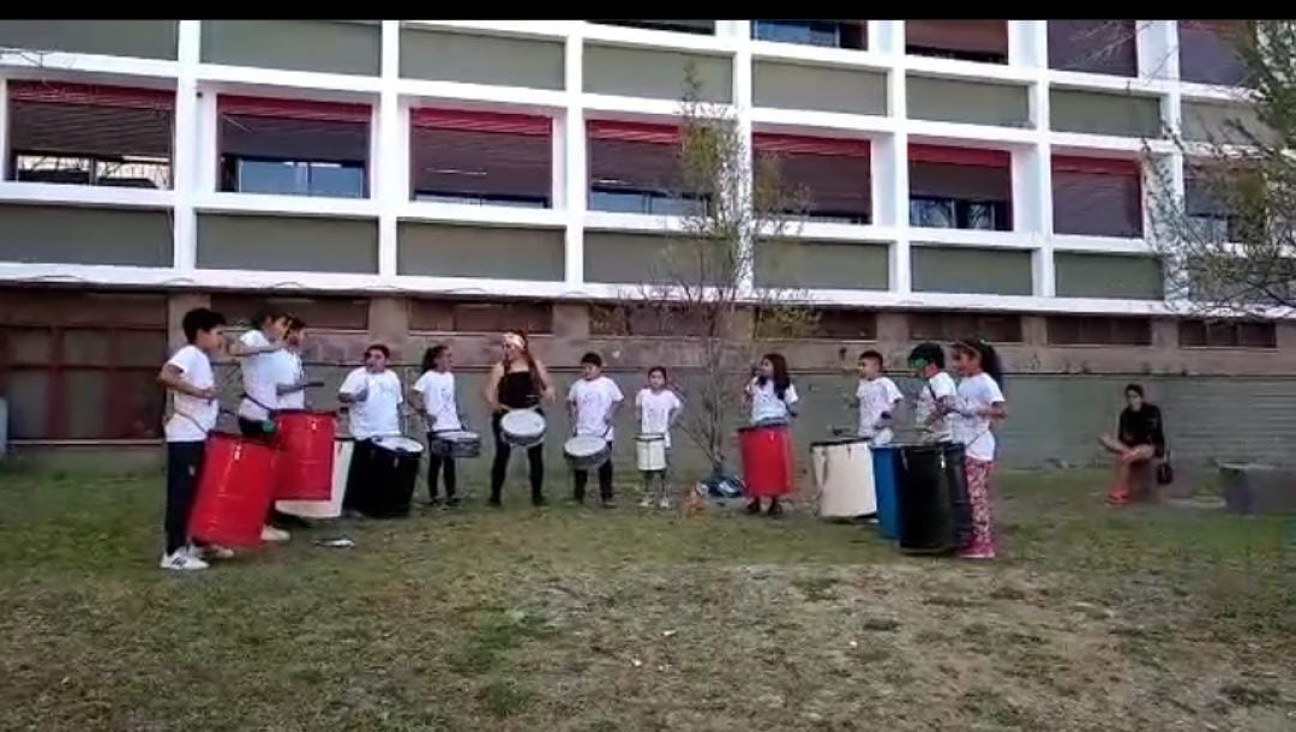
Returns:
(339, 47)
(481, 59)
(638, 72)
(644, 258)
(480, 251)
(825, 265)
(969, 270)
(793, 86)
(139, 38)
(1102, 113)
(1108, 275)
(973, 102)
(1223, 123)
(72, 235)
(287, 243)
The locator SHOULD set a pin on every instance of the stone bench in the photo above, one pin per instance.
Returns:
(1258, 488)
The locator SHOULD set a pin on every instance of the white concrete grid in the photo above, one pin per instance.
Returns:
(197, 84)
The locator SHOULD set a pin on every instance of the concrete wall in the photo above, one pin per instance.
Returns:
(340, 47)
(287, 243)
(974, 102)
(139, 38)
(481, 59)
(64, 235)
(1104, 114)
(656, 74)
(795, 86)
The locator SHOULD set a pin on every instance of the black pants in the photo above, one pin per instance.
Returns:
(580, 478)
(535, 457)
(256, 429)
(443, 465)
(184, 465)
(357, 492)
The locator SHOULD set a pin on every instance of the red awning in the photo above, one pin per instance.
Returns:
(959, 156)
(295, 109)
(1108, 166)
(804, 145)
(633, 132)
(91, 94)
(472, 121)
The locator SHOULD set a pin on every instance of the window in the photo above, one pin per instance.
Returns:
(1066, 330)
(82, 366)
(831, 175)
(985, 41)
(643, 320)
(481, 158)
(699, 27)
(634, 168)
(320, 313)
(1208, 51)
(1094, 46)
(956, 188)
(480, 316)
(294, 148)
(1097, 197)
(944, 327)
(845, 324)
(90, 135)
(1211, 201)
(1227, 334)
(852, 34)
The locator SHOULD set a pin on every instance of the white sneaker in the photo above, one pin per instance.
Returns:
(665, 503)
(212, 551)
(270, 533)
(182, 560)
(646, 502)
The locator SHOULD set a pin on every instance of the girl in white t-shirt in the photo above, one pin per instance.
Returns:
(658, 407)
(773, 398)
(433, 395)
(980, 403)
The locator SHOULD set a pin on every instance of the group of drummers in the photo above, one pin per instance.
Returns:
(376, 473)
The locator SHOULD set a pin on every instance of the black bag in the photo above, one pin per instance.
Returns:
(1165, 471)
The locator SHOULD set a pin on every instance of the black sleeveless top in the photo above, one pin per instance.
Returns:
(517, 390)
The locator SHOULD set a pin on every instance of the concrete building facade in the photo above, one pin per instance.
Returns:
(421, 181)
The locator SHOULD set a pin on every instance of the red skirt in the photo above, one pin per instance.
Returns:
(767, 460)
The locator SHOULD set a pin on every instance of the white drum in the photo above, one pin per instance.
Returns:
(587, 452)
(332, 508)
(523, 428)
(455, 444)
(650, 453)
(843, 471)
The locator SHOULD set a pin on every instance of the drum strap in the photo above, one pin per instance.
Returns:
(190, 417)
(270, 411)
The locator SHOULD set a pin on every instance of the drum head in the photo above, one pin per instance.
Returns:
(523, 422)
(459, 436)
(585, 445)
(839, 441)
(399, 444)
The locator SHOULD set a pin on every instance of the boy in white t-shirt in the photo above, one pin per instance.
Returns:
(658, 408)
(257, 353)
(938, 395)
(592, 403)
(289, 376)
(433, 395)
(188, 376)
(877, 398)
(372, 394)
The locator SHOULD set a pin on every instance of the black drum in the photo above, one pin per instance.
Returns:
(382, 477)
(934, 513)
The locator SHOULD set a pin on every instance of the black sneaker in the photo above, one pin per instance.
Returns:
(539, 501)
(753, 508)
(495, 502)
(434, 501)
(775, 510)
(607, 503)
(454, 502)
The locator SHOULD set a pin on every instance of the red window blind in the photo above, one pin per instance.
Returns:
(976, 36)
(959, 156)
(633, 132)
(802, 145)
(631, 155)
(470, 121)
(960, 173)
(89, 120)
(301, 109)
(103, 96)
(1097, 197)
(835, 173)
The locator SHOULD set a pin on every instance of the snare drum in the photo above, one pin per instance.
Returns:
(587, 452)
(523, 428)
(455, 444)
(650, 453)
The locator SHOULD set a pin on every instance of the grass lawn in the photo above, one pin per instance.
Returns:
(1163, 618)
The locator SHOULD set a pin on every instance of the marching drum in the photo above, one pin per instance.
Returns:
(885, 467)
(934, 510)
(234, 491)
(523, 428)
(587, 452)
(305, 463)
(843, 471)
(650, 453)
(331, 508)
(385, 479)
(767, 458)
(455, 444)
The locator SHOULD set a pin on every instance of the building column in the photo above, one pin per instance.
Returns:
(186, 154)
(891, 174)
(4, 129)
(389, 177)
(742, 100)
(574, 163)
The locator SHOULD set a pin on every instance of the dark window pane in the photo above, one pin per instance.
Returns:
(336, 181)
(1095, 46)
(937, 213)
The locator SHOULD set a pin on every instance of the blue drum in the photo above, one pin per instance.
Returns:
(884, 481)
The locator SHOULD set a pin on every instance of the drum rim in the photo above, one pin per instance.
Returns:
(408, 440)
(602, 441)
(765, 426)
(840, 441)
(322, 412)
(523, 414)
(445, 436)
(651, 437)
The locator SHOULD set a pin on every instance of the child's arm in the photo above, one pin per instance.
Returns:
(172, 377)
(238, 348)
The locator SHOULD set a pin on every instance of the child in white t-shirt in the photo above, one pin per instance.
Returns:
(877, 398)
(980, 403)
(433, 395)
(936, 398)
(188, 376)
(592, 403)
(658, 408)
(256, 351)
(772, 398)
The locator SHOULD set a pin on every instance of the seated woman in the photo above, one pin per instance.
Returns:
(1140, 440)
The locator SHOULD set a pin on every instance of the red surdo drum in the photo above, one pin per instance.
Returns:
(767, 459)
(305, 463)
(234, 491)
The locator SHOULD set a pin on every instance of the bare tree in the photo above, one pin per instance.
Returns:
(707, 283)
(1227, 244)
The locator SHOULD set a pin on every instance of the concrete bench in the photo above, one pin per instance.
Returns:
(1258, 488)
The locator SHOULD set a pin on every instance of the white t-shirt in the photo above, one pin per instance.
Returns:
(654, 411)
(438, 390)
(379, 414)
(258, 378)
(594, 399)
(766, 404)
(193, 418)
(976, 392)
(876, 397)
(937, 387)
(287, 367)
